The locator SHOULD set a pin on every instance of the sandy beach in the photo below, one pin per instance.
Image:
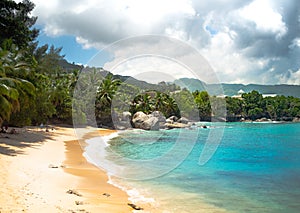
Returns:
(46, 172)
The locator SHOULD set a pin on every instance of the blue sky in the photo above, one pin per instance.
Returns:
(244, 41)
(73, 51)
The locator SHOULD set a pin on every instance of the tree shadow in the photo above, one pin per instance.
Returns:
(14, 144)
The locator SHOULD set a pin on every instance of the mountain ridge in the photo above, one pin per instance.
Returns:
(233, 89)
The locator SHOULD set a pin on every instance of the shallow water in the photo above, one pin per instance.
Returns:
(255, 168)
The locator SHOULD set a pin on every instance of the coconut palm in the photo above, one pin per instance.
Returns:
(142, 102)
(12, 87)
(103, 102)
(8, 100)
(107, 90)
(10, 91)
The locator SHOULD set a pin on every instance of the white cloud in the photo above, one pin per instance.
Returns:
(265, 18)
(290, 78)
(240, 38)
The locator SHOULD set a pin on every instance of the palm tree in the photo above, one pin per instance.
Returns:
(10, 91)
(170, 106)
(8, 100)
(103, 102)
(107, 90)
(142, 102)
(12, 87)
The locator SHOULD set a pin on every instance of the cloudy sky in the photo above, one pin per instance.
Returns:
(244, 41)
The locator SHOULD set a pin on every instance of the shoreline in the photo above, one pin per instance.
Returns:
(95, 186)
(39, 168)
(47, 172)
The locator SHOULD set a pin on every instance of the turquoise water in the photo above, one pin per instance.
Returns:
(255, 168)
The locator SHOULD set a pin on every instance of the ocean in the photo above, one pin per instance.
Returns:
(235, 167)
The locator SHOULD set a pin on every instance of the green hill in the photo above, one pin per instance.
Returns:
(232, 89)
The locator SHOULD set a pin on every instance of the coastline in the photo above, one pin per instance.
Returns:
(39, 168)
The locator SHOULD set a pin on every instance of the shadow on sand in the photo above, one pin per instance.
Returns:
(13, 144)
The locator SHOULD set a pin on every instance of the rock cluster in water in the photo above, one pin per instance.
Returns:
(154, 121)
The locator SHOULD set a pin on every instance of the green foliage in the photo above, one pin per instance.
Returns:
(253, 106)
(186, 103)
(16, 22)
(103, 103)
(202, 101)
(150, 101)
(234, 106)
(9, 102)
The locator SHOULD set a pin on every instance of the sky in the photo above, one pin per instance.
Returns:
(241, 41)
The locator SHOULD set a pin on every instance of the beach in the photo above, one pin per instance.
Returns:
(46, 172)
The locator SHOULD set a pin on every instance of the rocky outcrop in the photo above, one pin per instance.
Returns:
(126, 116)
(263, 120)
(150, 124)
(122, 121)
(176, 125)
(173, 122)
(183, 120)
(159, 115)
(156, 120)
(147, 122)
(138, 119)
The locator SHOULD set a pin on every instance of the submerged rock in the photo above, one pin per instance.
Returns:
(176, 125)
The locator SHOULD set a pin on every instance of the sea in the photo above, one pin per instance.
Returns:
(230, 167)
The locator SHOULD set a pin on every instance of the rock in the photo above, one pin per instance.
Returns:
(78, 202)
(71, 191)
(135, 207)
(138, 119)
(126, 116)
(53, 166)
(142, 121)
(296, 119)
(176, 125)
(263, 120)
(151, 124)
(183, 120)
(159, 115)
(173, 118)
(106, 194)
(122, 125)
(169, 121)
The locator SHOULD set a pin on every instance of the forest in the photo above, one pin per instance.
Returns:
(37, 86)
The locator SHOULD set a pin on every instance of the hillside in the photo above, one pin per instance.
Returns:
(232, 89)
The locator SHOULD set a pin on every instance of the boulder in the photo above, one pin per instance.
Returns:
(169, 121)
(150, 124)
(138, 119)
(176, 125)
(173, 118)
(147, 122)
(159, 115)
(122, 125)
(126, 116)
(183, 120)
